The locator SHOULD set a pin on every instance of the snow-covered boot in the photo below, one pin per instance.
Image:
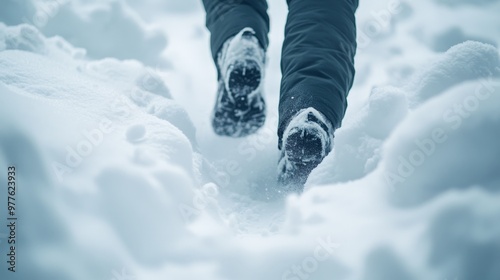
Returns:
(240, 107)
(307, 140)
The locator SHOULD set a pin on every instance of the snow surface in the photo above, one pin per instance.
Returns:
(120, 176)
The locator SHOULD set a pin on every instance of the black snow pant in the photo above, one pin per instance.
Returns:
(317, 60)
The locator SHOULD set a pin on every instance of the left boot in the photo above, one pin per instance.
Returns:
(307, 140)
(240, 106)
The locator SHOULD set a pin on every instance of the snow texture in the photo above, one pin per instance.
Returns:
(120, 176)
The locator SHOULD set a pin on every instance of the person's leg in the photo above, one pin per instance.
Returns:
(318, 70)
(317, 59)
(225, 18)
(239, 38)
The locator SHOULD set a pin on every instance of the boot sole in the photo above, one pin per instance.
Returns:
(242, 111)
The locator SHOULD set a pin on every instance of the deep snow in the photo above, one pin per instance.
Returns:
(105, 111)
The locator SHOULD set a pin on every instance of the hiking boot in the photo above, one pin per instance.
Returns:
(240, 107)
(307, 140)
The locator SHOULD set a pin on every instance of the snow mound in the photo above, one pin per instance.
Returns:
(358, 146)
(466, 61)
(428, 149)
(104, 28)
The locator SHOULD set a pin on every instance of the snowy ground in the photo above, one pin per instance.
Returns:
(105, 115)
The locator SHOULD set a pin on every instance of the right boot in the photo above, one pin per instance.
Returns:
(240, 109)
(307, 140)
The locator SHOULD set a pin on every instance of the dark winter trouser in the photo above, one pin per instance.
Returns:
(317, 60)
